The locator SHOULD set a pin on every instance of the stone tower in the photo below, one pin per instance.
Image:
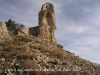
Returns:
(47, 23)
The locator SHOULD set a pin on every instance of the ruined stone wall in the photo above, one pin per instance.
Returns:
(4, 36)
(34, 31)
(45, 30)
(47, 24)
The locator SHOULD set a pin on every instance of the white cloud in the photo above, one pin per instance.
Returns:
(77, 29)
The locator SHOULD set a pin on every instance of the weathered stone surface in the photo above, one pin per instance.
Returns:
(47, 24)
(34, 31)
(4, 36)
(22, 32)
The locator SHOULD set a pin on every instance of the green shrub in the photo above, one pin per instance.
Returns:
(18, 39)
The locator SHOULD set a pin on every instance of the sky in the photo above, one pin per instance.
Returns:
(77, 21)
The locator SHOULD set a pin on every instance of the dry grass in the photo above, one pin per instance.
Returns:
(55, 53)
(22, 43)
(42, 47)
(18, 39)
(26, 55)
(6, 64)
(14, 52)
(1, 70)
(0, 66)
(10, 48)
(27, 64)
(2, 43)
(6, 55)
(0, 48)
(23, 47)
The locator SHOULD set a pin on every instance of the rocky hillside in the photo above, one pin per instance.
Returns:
(34, 51)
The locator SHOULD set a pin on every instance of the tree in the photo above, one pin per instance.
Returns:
(12, 25)
(22, 26)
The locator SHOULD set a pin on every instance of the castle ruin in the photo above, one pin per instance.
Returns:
(45, 29)
(47, 24)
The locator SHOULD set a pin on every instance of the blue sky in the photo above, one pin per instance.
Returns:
(78, 22)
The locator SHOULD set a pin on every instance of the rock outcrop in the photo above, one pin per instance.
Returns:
(22, 32)
(47, 24)
(45, 30)
(4, 36)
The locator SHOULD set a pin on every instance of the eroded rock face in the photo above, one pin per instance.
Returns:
(34, 31)
(47, 23)
(22, 32)
(4, 36)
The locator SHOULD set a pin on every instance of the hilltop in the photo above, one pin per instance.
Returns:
(35, 51)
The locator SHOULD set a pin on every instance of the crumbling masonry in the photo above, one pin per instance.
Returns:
(47, 24)
(45, 30)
